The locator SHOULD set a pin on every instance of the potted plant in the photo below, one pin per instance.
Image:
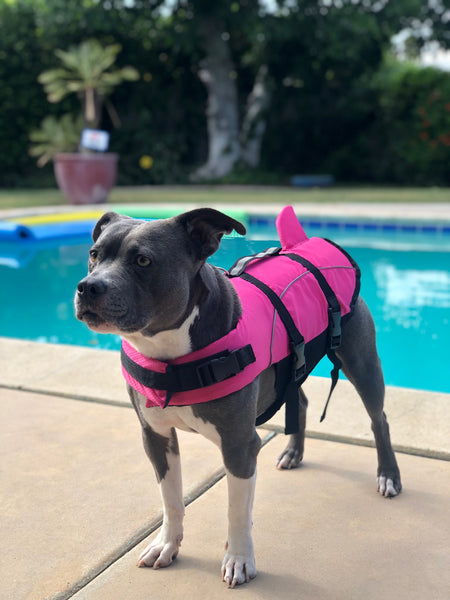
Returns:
(84, 176)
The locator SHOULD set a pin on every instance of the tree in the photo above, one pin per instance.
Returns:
(86, 70)
(226, 32)
(296, 82)
(320, 45)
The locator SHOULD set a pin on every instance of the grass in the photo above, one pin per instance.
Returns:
(203, 195)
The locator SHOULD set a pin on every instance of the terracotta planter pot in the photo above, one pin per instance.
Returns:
(85, 178)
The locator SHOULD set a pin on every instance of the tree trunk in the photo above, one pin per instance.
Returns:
(217, 73)
(227, 143)
(254, 124)
(92, 107)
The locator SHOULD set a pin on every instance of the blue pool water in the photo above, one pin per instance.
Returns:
(405, 282)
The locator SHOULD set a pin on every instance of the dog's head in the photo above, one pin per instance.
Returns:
(142, 274)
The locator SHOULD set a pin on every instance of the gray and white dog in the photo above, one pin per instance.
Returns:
(149, 283)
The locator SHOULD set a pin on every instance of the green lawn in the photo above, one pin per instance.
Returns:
(203, 195)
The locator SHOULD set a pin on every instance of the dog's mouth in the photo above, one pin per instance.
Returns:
(95, 322)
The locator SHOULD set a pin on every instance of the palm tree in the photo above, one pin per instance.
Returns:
(86, 70)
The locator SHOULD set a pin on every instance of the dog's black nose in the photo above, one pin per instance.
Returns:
(91, 287)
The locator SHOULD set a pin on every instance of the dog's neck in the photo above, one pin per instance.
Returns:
(165, 345)
(213, 316)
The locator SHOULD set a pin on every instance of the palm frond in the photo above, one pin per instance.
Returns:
(86, 69)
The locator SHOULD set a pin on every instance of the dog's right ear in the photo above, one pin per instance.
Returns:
(103, 222)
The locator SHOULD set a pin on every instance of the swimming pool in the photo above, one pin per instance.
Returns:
(405, 281)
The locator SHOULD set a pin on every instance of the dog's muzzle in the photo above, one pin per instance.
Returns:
(100, 306)
(90, 293)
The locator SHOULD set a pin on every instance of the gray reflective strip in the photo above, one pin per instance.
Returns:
(240, 265)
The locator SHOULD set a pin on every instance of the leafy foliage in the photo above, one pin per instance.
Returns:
(55, 135)
(86, 71)
(412, 138)
(336, 106)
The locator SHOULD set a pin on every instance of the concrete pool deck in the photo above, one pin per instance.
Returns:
(80, 498)
(433, 211)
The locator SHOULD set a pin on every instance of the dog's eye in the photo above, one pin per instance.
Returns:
(143, 261)
(93, 255)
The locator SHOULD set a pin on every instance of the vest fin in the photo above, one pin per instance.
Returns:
(290, 231)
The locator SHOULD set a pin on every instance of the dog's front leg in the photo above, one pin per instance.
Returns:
(238, 565)
(164, 455)
(230, 423)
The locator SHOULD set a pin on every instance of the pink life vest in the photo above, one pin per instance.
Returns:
(260, 334)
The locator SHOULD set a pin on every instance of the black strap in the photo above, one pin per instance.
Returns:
(151, 379)
(334, 320)
(192, 375)
(297, 374)
(290, 393)
(241, 264)
(357, 273)
(334, 308)
(283, 375)
(334, 379)
(295, 337)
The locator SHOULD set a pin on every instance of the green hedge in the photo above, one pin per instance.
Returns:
(413, 133)
(341, 113)
(162, 115)
(406, 138)
(22, 102)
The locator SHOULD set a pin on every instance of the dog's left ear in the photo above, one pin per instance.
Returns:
(206, 226)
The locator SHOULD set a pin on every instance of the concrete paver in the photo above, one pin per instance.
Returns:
(62, 369)
(79, 492)
(76, 489)
(419, 421)
(321, 532)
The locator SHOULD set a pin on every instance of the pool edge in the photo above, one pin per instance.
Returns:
(419, 420)
(433, 211)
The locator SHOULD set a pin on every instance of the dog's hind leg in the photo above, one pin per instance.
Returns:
(292, 455)
(361, 365)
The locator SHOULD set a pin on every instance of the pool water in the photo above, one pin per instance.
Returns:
(405, 281)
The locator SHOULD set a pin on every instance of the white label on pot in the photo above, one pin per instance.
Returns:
(95, 139)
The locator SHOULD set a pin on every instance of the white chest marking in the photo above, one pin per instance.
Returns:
(162, 420)
(165, 345)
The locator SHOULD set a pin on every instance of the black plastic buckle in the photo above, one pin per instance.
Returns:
(300, 361)
(335, 328)
(218, 369)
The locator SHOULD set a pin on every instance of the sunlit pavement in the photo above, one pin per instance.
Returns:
(80, 498)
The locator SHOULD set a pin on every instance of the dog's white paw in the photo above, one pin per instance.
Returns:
(160, 552)
(238, 569)
(387, 487)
